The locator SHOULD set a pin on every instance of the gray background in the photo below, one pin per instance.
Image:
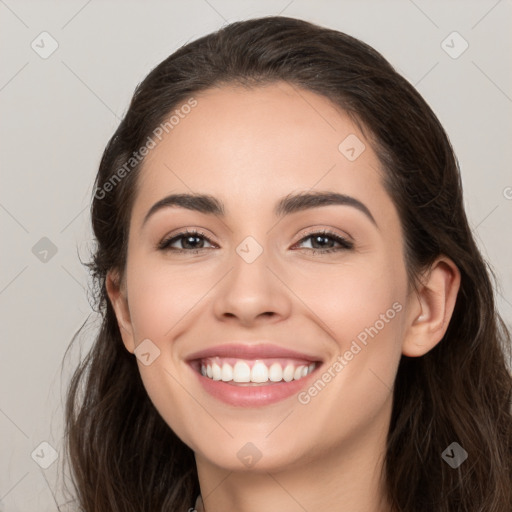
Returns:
(58, 113)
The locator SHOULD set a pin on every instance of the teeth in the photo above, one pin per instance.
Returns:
(288, 373)
(227, 372)
(259, 373)
(275, 373)
(241, 372)
(298, 372)
(217, 372)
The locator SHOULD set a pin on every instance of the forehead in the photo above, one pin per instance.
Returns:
(251, 146)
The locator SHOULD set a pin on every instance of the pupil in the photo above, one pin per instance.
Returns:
(188, 240)
(319, 239)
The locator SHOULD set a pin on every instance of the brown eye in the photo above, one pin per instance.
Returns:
(191, 241)
(323, 242)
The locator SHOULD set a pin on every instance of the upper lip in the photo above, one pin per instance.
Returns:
(244, 351)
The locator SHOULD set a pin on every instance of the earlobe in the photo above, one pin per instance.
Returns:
(116, 291)
(431, 308)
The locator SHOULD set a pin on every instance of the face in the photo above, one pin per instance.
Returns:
(316, 291)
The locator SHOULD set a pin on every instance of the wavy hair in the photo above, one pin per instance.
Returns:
(125, 458)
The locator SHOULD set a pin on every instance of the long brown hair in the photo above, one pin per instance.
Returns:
(124, 457)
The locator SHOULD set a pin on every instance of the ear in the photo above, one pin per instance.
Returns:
(116, 290)
(430, 308)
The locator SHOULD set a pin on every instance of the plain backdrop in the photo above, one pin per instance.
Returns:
(59, 109)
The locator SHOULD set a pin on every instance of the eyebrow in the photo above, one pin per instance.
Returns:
(292, 203)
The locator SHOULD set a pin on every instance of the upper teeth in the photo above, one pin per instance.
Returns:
(259, 373)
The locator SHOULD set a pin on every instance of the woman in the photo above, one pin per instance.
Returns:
(295, 313)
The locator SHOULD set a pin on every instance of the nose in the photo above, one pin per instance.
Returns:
(253, 292)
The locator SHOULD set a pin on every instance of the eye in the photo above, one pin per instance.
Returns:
(320, 242)
(191, 241)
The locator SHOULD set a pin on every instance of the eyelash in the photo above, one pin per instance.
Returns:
(164, 245)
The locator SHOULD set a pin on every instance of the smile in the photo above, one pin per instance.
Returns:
(252, 375)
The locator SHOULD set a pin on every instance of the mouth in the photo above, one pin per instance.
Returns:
(251, 376)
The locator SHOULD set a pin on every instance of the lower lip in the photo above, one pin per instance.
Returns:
(253, 396)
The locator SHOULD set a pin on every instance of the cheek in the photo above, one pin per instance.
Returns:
(360, 307)
(162, 295)
(161, 300)
(351, 297)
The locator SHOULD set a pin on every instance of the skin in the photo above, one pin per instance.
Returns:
(249, 148)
